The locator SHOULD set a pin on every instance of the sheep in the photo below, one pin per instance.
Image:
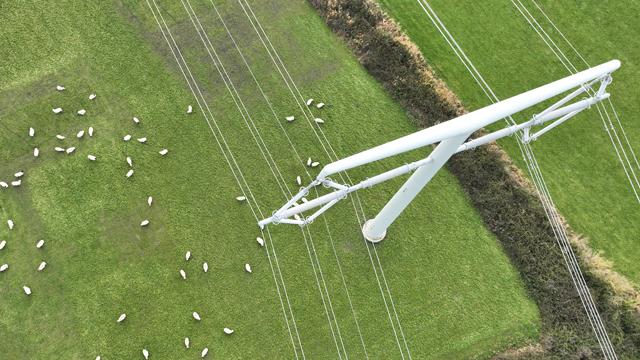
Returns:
(205, 266)
(298, 180)
(189, 109)
(81, 112)
(290, 118)
(318, 121)
(42, 266)
(60, 87)
(260, 241)
(4, 267)
(187, 256)
(32, 132)
(3, 243)
(27, 290)
(144, 223)
(126, 137)
(91, 157)
(136, 120)
(57, 110)
(163, 152)
(129, 162)
(145, 353)
(4, 184)
(10, 224)
(320, 105)
(19, 174)
(204, 352)
(183, 274)
(228, 331)
(241, 198)
(80, 134)
(61, 137)
(98, 357)
(70, 150)
(309, 101)
(196, 316)
(92, 96)
(309, 162)
(40, 244)
(129, 173)
(314, 164)
(247, 268)
(142, 140)
(90, 132)
(150, 200)
(121, 318)
(186, 342)
(59, 149)
(36, 152)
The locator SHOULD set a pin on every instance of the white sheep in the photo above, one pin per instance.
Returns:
(121, 318)
(309, 162)
(309, 102)
(290, 118)
(241, 198)
(126, 137)
(80, 134)
(298, 180)
(90, 132)
(57, 110)
(183, 274)
(186, 342)
(196, 316)
(92, 96)
(142, 140)
(129, 173)
(145, 353)
(204, 352)
(318, 121)
(10, 224)
(70, 150)
(129, 162)
(36, 152)
(3, 243)
(58, 149)
(27, 290)
(228, 331)
(260, 241)
(205, 266)
(91, 157)
(136, 120)
(19, 174)
(40, 244)
(4, 267)
(60, 87)
(189, 109)
(32, 132)
(320, 105)
(61, 137)
(4, 184)
(81, 112)
(163, 152)
(314, 164)
(42, 266)
(187, 255)
(150, 200)
(247, 268)
(144, 223)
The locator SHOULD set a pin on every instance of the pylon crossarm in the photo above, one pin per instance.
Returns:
(451, 137)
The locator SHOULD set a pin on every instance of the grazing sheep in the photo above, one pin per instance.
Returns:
(70, 150)
(40, 244)
(90, 131)
(318, 121)
(60, 87)
(27, 290)
(314, 164)
(121, 318)
(183, 274)
(228, 331)
(129, 173)
(81, 112)
(61, 137)
(187, 255)
(298, 180)
(260, 241)
(91, 157)
(58, 149)
(150, 200)
(136, 120)
(145, 353)
(36, 152)
(4, 267)
(241, 198)
(57, 110)
(290, 118)
(4, 184)
(247, 268)
(320, 105)
(163, 152)
(19, 174)
(3, 243)
(98, 357)
(205, 266)
(189, 109)
(92, 96)
(32, 132)
(142, 140)
(10, 224)
(144, 223)
(186, 342)
(196, 316)
(129, 162)
(309, 162)
(80, 134)
(126, 137)
(42, 266)
(204, 352)
(309, 102)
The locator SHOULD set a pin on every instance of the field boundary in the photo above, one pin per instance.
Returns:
(498, 189)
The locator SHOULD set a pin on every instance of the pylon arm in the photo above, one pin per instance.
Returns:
(450, 137)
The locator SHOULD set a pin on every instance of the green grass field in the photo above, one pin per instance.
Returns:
(455, 293)
(580, 166)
